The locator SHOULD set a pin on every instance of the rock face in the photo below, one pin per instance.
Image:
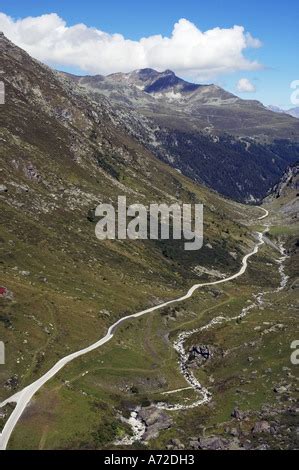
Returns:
(285, 194)
(289, 180)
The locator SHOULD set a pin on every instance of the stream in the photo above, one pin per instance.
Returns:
(137, 425)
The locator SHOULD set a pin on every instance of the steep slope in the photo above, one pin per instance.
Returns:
(237, 147)
(61, 154)
(288, 183)
(284, 198)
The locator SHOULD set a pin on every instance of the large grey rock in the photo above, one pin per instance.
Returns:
(213, 443)
(155, 421)
(261, 427)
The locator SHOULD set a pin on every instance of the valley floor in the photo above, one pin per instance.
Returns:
(247, 386)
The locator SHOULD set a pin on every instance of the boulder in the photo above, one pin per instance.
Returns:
(177, 444)
(261, 427)
(155, 421)
(213, 443)
(280, 389)
(236, 413)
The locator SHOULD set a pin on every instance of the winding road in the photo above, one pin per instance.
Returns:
(23, 398)
(266, 213)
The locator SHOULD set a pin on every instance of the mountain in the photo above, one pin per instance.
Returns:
(276, 109)
(208, 106)
(294, 112)
(237, 147)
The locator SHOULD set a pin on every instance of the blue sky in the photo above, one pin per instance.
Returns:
(274, 23)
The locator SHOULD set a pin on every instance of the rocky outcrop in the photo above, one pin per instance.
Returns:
(289, 180)
(155, 421)
(200, 354)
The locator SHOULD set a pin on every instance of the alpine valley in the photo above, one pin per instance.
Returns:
(202, 359)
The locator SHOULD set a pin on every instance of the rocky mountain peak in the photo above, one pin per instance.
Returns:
(145, 74)
(153, 82)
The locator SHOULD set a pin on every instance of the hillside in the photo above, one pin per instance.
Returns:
(61, 156)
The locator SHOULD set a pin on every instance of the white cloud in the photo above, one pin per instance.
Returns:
(187, 51)
(245, 86)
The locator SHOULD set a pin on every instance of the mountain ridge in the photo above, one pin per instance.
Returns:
(236, 147)
(294, 112)
(152, 82)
